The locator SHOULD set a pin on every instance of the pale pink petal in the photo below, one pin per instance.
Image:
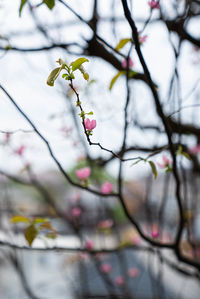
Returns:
(106, 188)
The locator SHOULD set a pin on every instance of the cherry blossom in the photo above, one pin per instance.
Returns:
(20, 150)
(154, 4)
(90, 124)
(105, 268)
(133, 272)
(106, 188)
(166, 162)
(119, 280)
(83, 173)
(76, 212)
(195, 149)
(108, 223)
(89, 244)
(130, 63)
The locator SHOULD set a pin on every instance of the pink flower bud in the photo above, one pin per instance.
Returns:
(130, 63)
(154, 4)
(76, 212)
(155, 234)
(106, 188)
(119, 280)
(105, 268)
(89, 245)
(20, 150)
(83, 173)
(90, 124)
(136, 240)
(133, 272)
(166, 162)
(142, 39)
(195, 149)
(105, 224)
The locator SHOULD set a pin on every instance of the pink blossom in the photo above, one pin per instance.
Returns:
(154, 4)
(90, 124)
(106, 188)
(142, 39)
(105, 224)
(119, 280)
(133, 272)
(89, 245)
(130, 63)
(166, 162)
(136, 240)
(20, 150)
(76, 212)
(195, 149)
(83, 173)
(154, 231)
(105, 268)
(155, 234)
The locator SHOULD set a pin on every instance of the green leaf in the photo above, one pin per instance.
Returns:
(77, 63)
(186, 155)
(153, 168)
(131, 74)
(19, 218)
(90, 113)
(122, 43)
(23, 2)
(53, 76)
(40, 220)
(49, 3)
(136, 162)
(114, 79)
(30, 234)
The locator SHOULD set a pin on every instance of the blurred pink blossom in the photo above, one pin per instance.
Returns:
(142, 39)
(89, 244)
(119, 280)
(20, 150)
(136, 240)
(83, 173)
(166, 162)
(154, 4)
(133, 272)
(76, 212)
(130, 63)
(108, 223)
(155, 233)
(90, 124)
(106, 188)
(195, 149)
(105, 268)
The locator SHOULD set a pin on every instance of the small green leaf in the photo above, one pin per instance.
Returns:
(77, 63)
(136, 162)
(40, 220)
(131, 74)
(122, 43)
(23, 2)
(30, 234)
(19, 218)
(49, 3)
(90, 113)
(114, 79)
(186, 155)
(86, 76)
(51, 235)
(46, 225)
(153, 168)
(53, 76)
